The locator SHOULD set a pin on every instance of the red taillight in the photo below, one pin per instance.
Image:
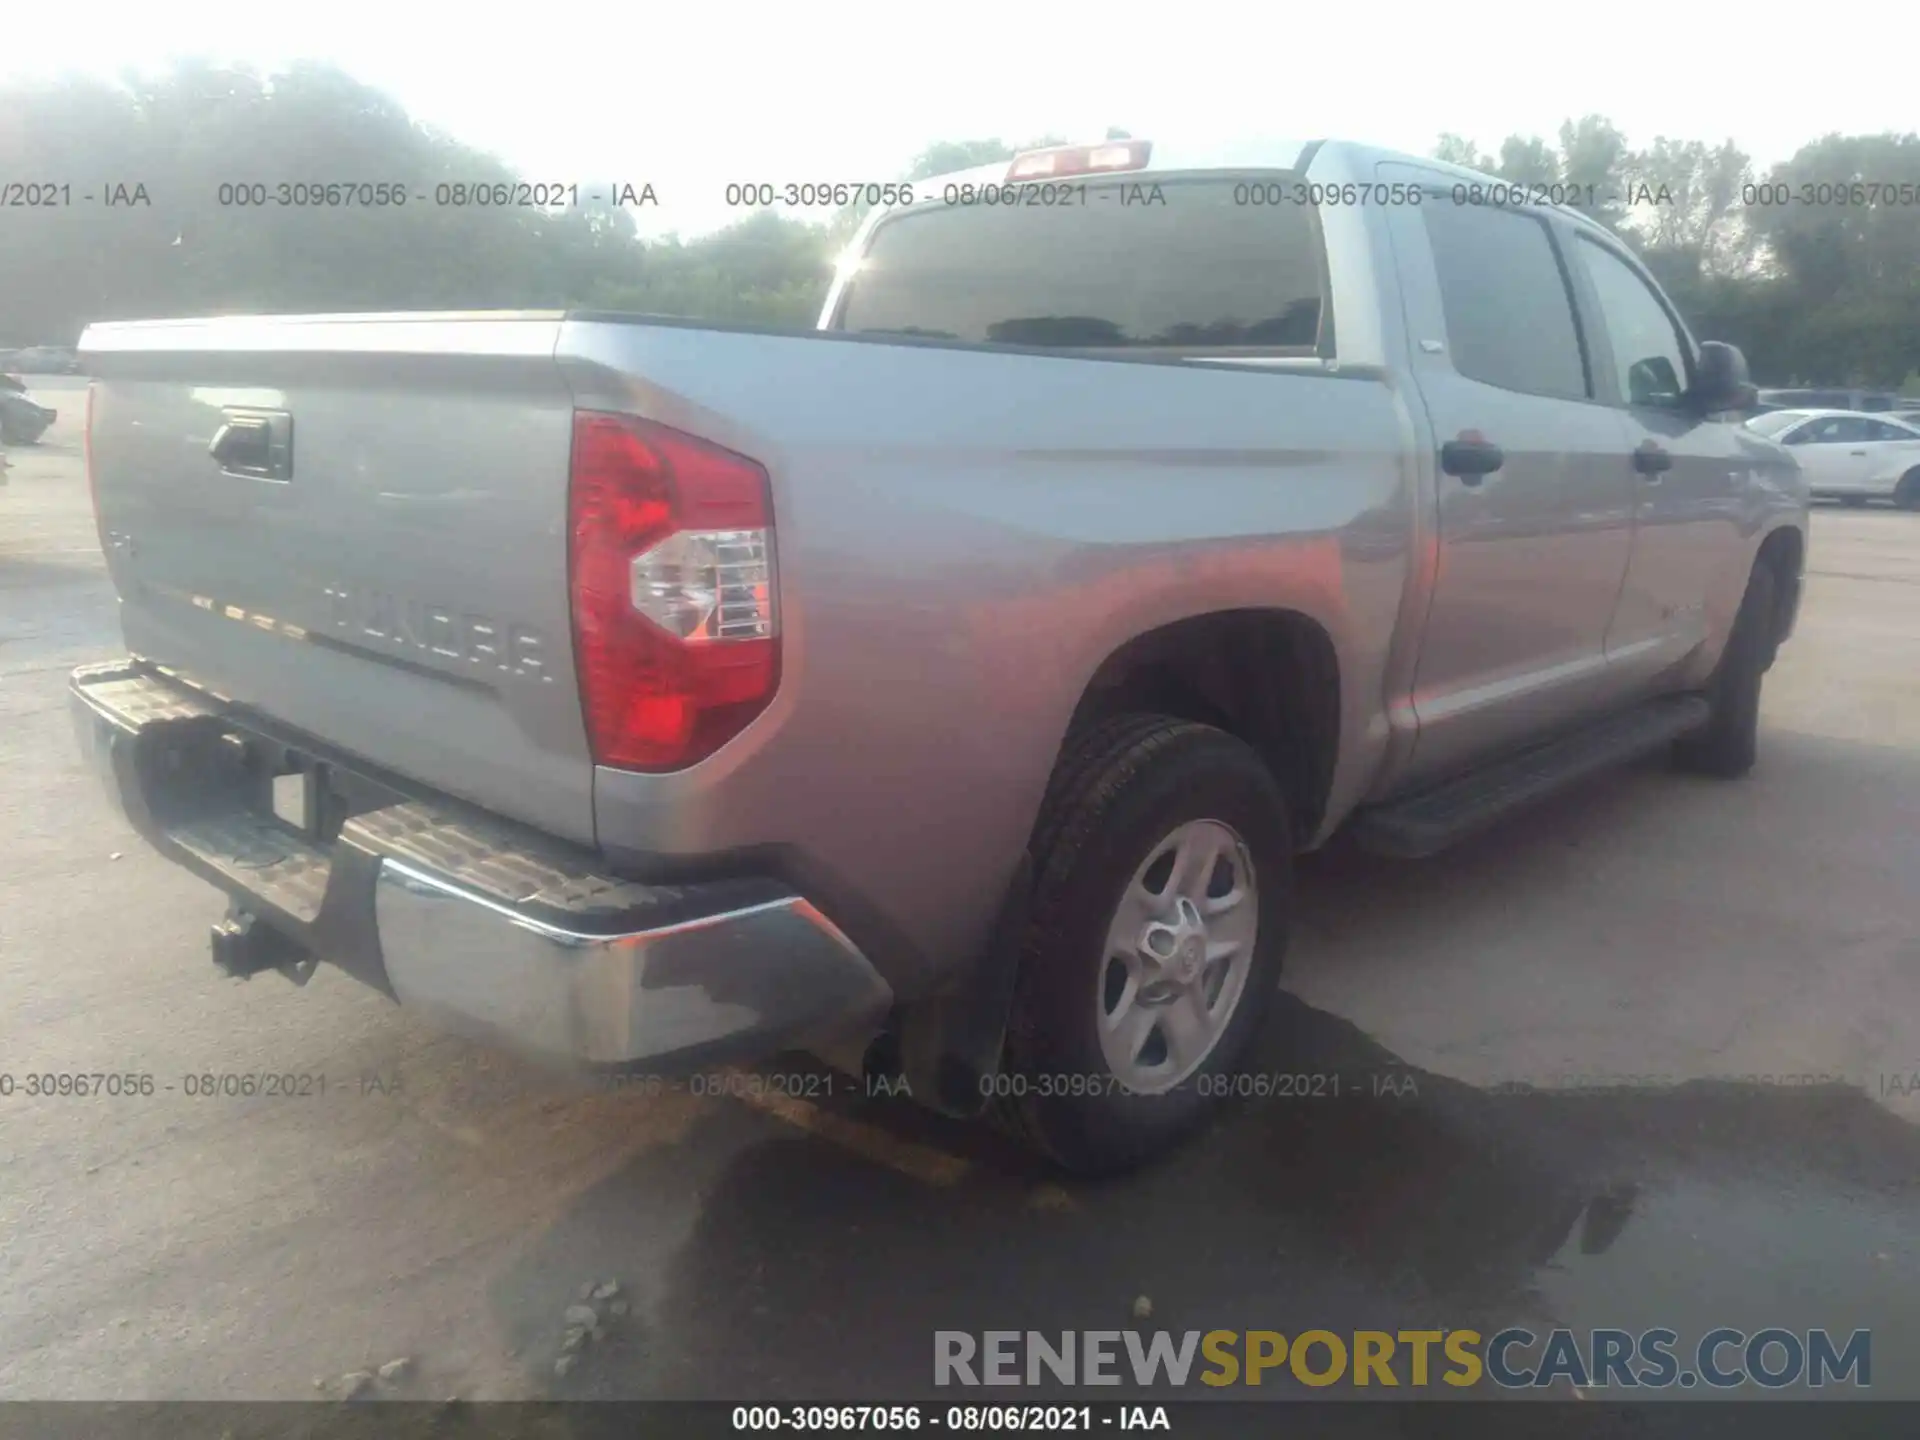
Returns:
(671, 566)
(1108, 157)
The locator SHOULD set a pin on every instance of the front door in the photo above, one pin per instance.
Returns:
(1689, 469)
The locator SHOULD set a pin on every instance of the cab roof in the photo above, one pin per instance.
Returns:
(1253, 153)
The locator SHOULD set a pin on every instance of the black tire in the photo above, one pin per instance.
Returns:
(1121, 787)
(1726, 746)
(1907, 493)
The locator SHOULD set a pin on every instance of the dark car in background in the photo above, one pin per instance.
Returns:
(41, 360)
(23, 420)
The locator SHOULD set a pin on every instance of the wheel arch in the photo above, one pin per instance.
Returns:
(1784, 551)
(1269, 677)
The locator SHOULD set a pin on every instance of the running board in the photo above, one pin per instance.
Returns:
(1429, 822)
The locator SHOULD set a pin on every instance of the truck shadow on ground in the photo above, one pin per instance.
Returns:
(768, 1262)
(781, 1265)
(801, 1271)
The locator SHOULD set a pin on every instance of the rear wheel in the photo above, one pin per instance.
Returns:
(1907, 493)
(1153, 942)
(1727, 745)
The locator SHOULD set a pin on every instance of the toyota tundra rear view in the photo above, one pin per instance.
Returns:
(947, 691)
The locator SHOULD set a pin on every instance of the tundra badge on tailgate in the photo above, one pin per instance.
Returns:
(411, 624)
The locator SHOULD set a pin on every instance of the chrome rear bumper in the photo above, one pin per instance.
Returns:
(697, 987)
(485, 927)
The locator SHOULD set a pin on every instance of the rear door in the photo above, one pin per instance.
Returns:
(1688, 469)
(356, 527)
(1532, 553)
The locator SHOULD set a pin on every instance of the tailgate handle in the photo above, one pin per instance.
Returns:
(254, 443)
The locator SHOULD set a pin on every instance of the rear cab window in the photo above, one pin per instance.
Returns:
(1141, 264)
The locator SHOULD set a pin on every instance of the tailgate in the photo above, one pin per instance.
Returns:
(356, 526)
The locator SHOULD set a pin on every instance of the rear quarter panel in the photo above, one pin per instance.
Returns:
(964, 535)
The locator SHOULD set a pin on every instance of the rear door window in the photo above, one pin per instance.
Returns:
(1197, 270)
(1509, 313)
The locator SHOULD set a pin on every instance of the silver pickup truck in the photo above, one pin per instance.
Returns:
(948, 690)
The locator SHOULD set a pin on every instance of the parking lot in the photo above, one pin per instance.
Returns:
(1712, 990)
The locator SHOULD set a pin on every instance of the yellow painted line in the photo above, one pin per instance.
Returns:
(920, 1162)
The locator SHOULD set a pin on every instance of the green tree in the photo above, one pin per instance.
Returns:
(1823, 288)
(1700, 228)
(1528, 161)
(951, 155)
(1836, 239)
(1592, 162)
(1458, 150)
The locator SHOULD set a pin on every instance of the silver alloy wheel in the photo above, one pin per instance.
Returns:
(1177, 956)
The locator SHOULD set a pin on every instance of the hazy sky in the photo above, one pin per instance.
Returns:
(692, 96)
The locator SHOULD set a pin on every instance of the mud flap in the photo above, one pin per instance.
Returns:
(950, 1044)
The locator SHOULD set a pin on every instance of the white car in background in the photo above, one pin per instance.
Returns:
(1850, 456)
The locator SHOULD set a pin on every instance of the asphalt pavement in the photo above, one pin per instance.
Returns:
(1647, 1057)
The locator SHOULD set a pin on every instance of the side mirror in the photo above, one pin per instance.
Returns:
(1720, 379)
(1652, 382)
